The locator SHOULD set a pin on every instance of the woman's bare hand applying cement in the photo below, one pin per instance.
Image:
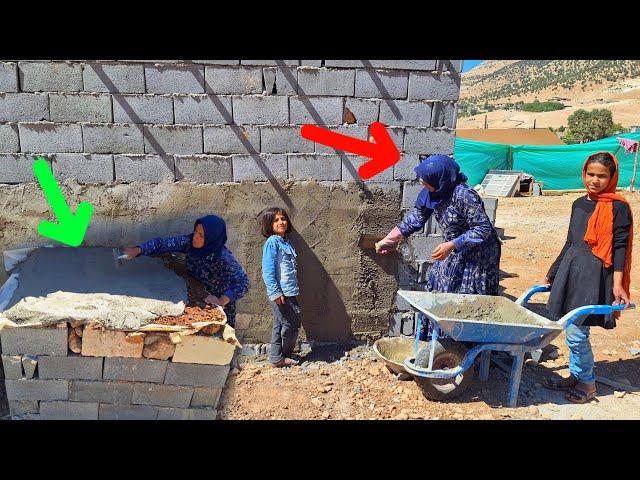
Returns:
(442, 251)
(132, 252)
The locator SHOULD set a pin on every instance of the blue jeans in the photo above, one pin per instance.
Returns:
(286, 323)
(580, 354)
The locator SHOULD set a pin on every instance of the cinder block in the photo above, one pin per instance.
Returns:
(50, 77)
(186, 414)
(231, 139)
(316, 166)
(24, 107)
(80, 107)
(144, 168)
(490, 203)
(356, 131)
(37, 389)
(135, 370)
(9, 140)
(174, 79)
(284, 79)
(424, 267)
(97, 168)
(320, 81)
(16, 168)
(101, 392)
(29, 365)
(419, 248)
(428, 86)
(8, 77)
(405, 113)
(403, 170)
(355, 162)
(284, 140)
(407, 326)
(426, 141)
(162, 395)
(202, 414)
(407, 276)
(395, 324)
(410, 192)
(402, 305)
(272, 63)
(381, 84)
(196, 375)
(310, 63)
(454, 65)
(365, 111)
(12, 365)
(25, 407)
(316, 110)
(259, 110)
(112, 138)
(176, 139)
(259, 168)
(218, 62)
(34, 341)
(233, 80)
(50, 137)
(142, 109)
(428, 65)
(196, 109)
(206, 397)
(397, 135)
(68, 411)
(70, 368)
(451, 115)
(127, 412)
(113, 78)
(204, 168)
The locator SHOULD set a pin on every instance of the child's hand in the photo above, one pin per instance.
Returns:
(132, 252)
(620, 295)
(442, 251)
(280, 300)
(547, 281)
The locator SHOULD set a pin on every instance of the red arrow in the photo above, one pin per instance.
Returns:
(383, 153)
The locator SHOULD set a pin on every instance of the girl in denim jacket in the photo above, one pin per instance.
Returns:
(279, 273)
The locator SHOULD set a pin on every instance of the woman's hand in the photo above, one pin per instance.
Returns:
(132, 252)
(442, 251)
(390, 242)
(547, 281)
(220, 302)
(280, 300)
(620, 295)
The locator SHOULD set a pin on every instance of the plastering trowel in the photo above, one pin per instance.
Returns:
(119, 256)
(368, 241)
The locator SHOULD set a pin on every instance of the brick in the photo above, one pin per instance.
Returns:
(356, 162)
(284, 140)
(177, 139)
(316, 110)
(365, 111)
(195, 109)
(68, 411)
(256, 110)
(101, 392)
(80, 107)
(127, 412)
(16, 168)
(428, 141)
(25, 407)
(187, 414)
(112, 138)
(280, 63)
(259, 168)
(316, 166)
(134, 369)
(204, 168)
(285, 80)
(9, 140)
(142, 109)
(381, 84)
(24, 107)
(174, 79)
(403, 170)
(320, 81)
(405, 113)
(29, 365)
(98, 342)
(427, 86)
(206, 397)
(97, 168)
(8, 77)
(428, 65)
(113, 78)
(161, 395)
(34, 341)
(37, 389)
(50, 77)
(50, 137)
(356, 131)
(144, 168)
(196, 375)
(70, 368)
(233, 80)
(202, 349)
(231, 139)
(12, 365)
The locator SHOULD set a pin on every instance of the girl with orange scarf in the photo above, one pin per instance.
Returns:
(592, 269)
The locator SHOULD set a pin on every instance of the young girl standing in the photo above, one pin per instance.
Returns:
(593, 268)
(279, 273)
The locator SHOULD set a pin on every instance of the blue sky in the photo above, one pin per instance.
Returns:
(469, 64)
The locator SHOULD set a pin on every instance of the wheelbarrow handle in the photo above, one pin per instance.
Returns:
(524, 298)
(576, 313)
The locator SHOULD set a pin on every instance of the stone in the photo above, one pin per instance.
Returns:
(162, 348)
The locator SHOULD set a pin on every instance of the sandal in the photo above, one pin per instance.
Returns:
(578, 396)
(563, 384)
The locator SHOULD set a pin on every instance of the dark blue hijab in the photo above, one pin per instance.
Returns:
(215, 236)
(443, 174)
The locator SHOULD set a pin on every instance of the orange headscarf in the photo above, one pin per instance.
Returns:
(599, 235)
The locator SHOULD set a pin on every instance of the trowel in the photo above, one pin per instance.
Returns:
(368, 241)
(119, 256)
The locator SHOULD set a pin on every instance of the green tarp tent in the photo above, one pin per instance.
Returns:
(557, 166)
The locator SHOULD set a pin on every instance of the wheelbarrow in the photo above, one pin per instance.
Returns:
(450, 361)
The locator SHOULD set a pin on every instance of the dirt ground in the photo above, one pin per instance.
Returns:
(352, 384)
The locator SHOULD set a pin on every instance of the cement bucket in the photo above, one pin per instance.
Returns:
(394, 350)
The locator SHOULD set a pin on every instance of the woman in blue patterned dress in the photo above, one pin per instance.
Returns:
(207, 259)
(468, 261)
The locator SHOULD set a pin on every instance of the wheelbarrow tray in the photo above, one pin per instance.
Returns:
(453, 314)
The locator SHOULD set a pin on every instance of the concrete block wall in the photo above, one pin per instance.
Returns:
(133, 133)
(45, 381)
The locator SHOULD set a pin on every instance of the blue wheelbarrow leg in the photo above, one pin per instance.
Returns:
(485, 358)
(516, 375)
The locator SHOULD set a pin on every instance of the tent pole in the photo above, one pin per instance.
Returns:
(635, 167)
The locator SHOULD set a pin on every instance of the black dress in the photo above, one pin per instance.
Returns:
(578, 276)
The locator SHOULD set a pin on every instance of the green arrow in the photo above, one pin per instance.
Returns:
(70, 228)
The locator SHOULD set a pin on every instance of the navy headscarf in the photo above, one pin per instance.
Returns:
(443, 174)
(215, 236)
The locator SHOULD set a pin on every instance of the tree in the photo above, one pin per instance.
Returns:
(587, 126)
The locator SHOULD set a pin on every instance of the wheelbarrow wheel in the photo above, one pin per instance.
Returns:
(448, 354)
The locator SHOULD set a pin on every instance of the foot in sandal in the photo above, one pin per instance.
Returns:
(582, 393)
(567, 383)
